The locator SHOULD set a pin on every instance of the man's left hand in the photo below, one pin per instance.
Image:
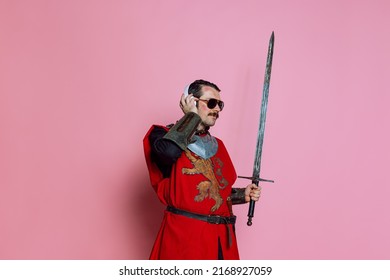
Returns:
(252, 192)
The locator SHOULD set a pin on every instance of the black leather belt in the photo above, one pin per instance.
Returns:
(211, 219)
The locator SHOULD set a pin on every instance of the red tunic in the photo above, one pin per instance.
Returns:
(200, 186)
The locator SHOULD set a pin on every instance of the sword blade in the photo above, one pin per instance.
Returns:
(260, 135)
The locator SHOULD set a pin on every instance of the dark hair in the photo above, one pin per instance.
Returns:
(196, 87)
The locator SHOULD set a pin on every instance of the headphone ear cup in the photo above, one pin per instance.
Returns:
(186, 90)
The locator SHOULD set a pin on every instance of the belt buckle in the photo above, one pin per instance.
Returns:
(213, 219)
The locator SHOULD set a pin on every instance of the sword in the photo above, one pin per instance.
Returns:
(260, 136)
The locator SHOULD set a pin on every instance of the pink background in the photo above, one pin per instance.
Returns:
(82, 81)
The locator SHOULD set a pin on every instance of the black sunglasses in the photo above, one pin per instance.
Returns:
(212, 103)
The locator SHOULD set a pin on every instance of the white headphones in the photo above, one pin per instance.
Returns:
(186, 92)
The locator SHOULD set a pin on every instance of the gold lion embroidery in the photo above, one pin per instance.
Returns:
(208, 188)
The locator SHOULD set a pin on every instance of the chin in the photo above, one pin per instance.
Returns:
(210, 124)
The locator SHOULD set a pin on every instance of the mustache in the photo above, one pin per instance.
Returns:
(214, 114)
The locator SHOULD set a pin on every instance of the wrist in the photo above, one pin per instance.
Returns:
(238, 196)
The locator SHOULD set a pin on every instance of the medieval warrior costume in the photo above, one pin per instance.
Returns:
(193, 175)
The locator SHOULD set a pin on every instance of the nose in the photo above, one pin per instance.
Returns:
(218, 108)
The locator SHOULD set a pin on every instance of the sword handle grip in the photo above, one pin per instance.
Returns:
(251, 212)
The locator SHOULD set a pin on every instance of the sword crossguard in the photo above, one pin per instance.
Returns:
(256, 179)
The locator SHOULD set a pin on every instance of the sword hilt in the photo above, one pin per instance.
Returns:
(251, 210)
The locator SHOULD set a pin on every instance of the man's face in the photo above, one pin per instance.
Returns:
(208, 116)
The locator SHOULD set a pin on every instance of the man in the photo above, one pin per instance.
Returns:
(192, 174)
